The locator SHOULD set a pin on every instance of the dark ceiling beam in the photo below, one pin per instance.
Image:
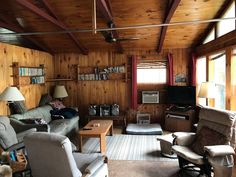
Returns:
(211, 25)
(10, 26)
(51, 19)
(173, 7)
(104, 7)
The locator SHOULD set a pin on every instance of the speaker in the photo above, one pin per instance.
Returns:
(93, 110)
(115, 110)
(105, 110)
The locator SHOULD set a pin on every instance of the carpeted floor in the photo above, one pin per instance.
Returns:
(118, 168)
(127, 147)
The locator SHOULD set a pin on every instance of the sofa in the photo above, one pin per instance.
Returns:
(59, 126)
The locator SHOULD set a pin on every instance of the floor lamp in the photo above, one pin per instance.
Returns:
(207, 90)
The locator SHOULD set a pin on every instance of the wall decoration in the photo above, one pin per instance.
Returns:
(180, 78)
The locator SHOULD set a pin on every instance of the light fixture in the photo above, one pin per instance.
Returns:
(60, 92)
(207, 90)
(11, 94)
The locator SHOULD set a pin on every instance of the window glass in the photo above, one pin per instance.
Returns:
(210, 37)
(153, 72)
(201, 77)
(226, 26)
(219, 78)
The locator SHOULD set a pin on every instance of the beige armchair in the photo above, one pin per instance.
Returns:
(51, 155)
(211, 148)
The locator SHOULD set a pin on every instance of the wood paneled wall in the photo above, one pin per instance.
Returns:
(83, 93)
(25, 57)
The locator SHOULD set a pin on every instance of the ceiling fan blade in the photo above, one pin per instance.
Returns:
(127, 39)
(106, 34)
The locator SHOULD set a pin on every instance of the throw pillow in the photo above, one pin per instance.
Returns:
(57, 104)
(207, 137)
(17, 107)
(45, 99)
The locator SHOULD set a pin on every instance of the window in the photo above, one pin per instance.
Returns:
(218, 76)
(226, 26)
(210, 37)
(201, 77)
(151, 72)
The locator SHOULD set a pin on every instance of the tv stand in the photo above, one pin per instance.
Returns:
(176, 108)
(179, 119)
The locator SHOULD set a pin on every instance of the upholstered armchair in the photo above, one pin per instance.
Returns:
(51, 155)
(211, 148)
(9, 140)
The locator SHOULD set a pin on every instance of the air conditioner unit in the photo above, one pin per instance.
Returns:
(150, 96)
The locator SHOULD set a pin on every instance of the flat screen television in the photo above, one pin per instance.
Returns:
(182, 95)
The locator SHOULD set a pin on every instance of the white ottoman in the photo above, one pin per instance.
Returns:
(144, 129)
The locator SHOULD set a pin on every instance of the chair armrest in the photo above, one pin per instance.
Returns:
(20, 126)
(183, 138)
(95, 165)
(16, 147)
(219, 150)
(21, 135)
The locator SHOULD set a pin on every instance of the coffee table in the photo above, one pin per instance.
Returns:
(93, 130)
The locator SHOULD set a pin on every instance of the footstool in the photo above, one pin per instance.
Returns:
(166, 142)
(144, 129)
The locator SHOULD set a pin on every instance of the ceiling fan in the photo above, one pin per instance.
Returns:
(110, 36)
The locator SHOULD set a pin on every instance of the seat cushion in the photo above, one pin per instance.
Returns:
(58, 127)
(186, 153)
(144, 129)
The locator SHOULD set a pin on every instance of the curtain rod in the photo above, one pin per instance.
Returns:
(121, 28)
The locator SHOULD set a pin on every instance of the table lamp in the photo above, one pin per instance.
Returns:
(207, 90)
(60, 92)
(11, 94)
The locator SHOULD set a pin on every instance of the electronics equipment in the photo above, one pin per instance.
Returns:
(93, 110)
(115, 110)
(150, 96)
(182, 95)
(143, 118)
(105, 110)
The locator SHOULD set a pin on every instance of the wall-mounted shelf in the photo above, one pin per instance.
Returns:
(98, 73)
(58, 79)
(24, 75)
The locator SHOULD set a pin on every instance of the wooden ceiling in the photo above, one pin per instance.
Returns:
(60, 15)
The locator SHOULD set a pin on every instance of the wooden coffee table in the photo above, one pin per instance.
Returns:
(92, 130)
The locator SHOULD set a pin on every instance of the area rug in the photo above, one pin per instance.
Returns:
(118, 168)
(128, 147)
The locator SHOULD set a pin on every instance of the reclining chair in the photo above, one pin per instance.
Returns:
(9, 140)
(211, 148)
(51, 155)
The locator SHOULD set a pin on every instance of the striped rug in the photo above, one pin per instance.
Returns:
(127, 147)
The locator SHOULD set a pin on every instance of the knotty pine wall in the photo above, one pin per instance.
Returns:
(84, 93)
(25, 57)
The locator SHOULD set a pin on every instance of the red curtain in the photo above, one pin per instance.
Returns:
(134, 98)
(193, 70)
(171, 73)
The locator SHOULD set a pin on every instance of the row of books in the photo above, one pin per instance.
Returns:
(37, 80)
(31, 71)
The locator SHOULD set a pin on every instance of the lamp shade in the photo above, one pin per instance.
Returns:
(207, 90)
(60, 92)
(11, 94)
